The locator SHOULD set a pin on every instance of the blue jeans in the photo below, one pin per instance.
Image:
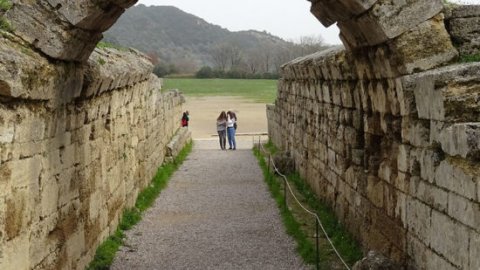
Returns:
(231, 137)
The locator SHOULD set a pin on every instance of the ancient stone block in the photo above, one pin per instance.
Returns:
(34, 77)
(419, 219)
(429, 194)
(457, 176)
(463, 210)
(460, 140)
(425, 46)
(474, 250)
(450, 239)
(387, 20)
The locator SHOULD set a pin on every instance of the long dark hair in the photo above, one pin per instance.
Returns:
(232, 115)
(222, 116)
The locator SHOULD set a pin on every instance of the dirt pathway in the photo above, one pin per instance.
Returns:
(216, 213)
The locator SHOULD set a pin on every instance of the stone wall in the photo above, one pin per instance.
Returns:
(387, 137)
(463, 24)
(78, 141)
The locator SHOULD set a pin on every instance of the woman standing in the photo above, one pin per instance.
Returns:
(231, 120)
(222, 129)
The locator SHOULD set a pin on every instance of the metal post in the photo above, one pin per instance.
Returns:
(285, 193)
(316, 240)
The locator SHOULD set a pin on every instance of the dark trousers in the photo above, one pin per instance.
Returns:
(222, 136)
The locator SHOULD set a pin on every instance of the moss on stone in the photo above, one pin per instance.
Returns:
(5, 5)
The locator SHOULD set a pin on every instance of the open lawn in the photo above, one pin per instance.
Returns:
(206, 98)
(261, 91)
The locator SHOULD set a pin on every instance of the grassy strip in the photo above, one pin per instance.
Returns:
(468, 58)
(342, 239)
(103, 45)
(305, 248)
(106, 252)
(261, 91)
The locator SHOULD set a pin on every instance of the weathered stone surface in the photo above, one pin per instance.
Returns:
(66, 30)
(109, 69)
(179, 140)
(423, 47)
(34, 77)
(387, 20)
(463, 24)
(375, 261)
(446, 94)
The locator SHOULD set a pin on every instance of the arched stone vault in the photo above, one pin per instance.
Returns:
(399, 26)
(65, 29)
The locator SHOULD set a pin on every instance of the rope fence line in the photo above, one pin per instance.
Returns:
(317, 218)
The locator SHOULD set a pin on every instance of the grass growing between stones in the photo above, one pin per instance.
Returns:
(105, 253)
(301, 226)
(469, 58)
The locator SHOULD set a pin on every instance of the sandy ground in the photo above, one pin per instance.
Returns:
(252, 117)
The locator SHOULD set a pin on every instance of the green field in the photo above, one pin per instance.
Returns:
(263, 91)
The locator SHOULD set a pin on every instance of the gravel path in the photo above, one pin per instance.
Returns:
(216, 213)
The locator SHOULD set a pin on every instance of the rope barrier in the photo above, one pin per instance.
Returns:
(303, 207)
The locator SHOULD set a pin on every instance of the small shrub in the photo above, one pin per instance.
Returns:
(5, 5)
(102, 62)
(5, 25)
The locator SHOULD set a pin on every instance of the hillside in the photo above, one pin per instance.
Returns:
(181, 38)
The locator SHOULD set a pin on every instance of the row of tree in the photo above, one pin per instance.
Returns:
(228, 60)
(258, 62)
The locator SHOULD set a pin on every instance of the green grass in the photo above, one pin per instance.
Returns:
(470, 58)
(305, 247)
(342, 239)
(106, 251)
(263, 91)
(5, 5)
(103, 44)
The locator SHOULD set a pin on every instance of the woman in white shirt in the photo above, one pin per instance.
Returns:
(231, 120)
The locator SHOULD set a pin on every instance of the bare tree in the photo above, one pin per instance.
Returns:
(221, 56)
(235, 56)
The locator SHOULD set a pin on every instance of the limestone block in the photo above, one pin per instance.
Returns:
(34, 77)
(38, 24)
(87, 14)
(66, 30)
(460, 140)
(405, 98)
(424, 47)
(25, 172)
(6, 134)
(49, 197)
(330, 11)
(109, 69)
(429, 194)
(433, 261)
(474, 250)
(457, 176)
(463, 24)
(375, 191)
(15, 254)
(463, 210)
(415, 132)
(419, 219)
(449, 239)
(446, 94)
(387, 20)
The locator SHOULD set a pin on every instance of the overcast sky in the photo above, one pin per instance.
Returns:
(289, 19)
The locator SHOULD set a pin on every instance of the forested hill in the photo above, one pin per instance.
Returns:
(181, 38)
